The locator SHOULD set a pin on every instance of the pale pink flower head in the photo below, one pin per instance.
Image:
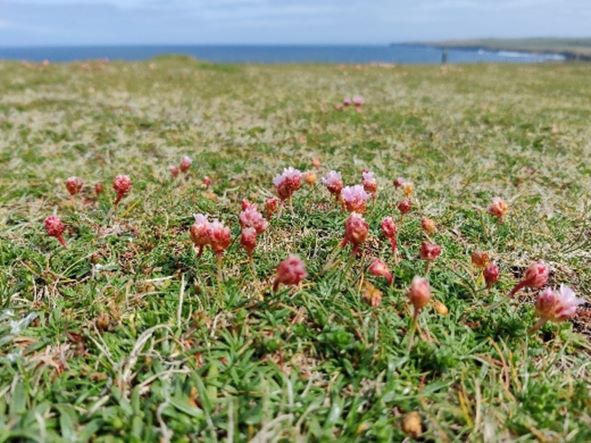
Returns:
(404, 206)
(491, 274)
(55, 228)
(252, 218)
(219, 237)
(380, 269)
(535, 276)
(122, 186)
(74, 185)
(390, 231)
(429, 251)
(370, 184)
(286, 183)
(557, 305)
(498, 207)
(358, 101)
(355, 198)
(174, 170)
(271, 206)
(398, 182)
(290, 271)
(200, 232)
(356, 231)
(186, 163)
(428, 225)
(333, 182)
(248, 239)
(419, 293)
(347, 101)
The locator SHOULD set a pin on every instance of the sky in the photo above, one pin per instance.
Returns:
(99, 22)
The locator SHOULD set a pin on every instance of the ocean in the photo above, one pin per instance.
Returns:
(395, 53)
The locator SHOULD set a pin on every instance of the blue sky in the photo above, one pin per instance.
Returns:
(79, 22)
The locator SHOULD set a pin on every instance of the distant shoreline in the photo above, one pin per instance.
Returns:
(571, 49)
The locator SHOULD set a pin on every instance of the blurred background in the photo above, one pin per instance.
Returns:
(331, 31)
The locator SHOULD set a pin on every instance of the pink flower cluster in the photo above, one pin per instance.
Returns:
(355, 198)
(214, 234)
(286, 183)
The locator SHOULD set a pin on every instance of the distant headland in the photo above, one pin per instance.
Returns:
(570, 48)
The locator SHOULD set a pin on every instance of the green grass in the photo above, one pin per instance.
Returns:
(126, 336)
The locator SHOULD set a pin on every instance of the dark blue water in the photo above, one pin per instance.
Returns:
(399, 53)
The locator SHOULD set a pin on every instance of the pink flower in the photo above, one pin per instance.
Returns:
(356, 231)
(390, 231)
(207, 181)
(252, 218)
(271, 206)
(404, 206)
(358, 101)
(174, 170)
(536, 276)
(379, 269)
(185, 163)
(248, 239)
(74, 185)
(122, 186)
(419, 293)
(290, 271)
(491, 274)
(355, 198)
(286, 183)
(55, 228)
(245, 204)
(347, 101)
(557, 305)
(219, 237)
(333, 182)
(369, 182)
(200, 232)
(429, 251)
(498, 208)
(398, 182)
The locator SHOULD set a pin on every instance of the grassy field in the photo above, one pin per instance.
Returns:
(127, 336)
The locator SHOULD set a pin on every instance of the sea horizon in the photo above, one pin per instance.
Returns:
(395, 53)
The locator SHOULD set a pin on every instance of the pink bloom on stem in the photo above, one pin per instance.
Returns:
(252, 218)
(74, 185)
(55, 228)
(271, 206)
(207, 181)
(219, 237)
(369, 182)
(290, 271)
(358, 101)
(122, 186)
(419, 293)
(356, 231)
(186, 163)
(379, 269)
(404, 206)
(286, 183)
(498, 208)
(429, 251)
(248, 239)
(491, 274)
(174, 170)
(200, 232)
(398, 182)
(557, 305)
(536, 276)
(347, 101)
(333, 182)
(390, 231)
(355, 198)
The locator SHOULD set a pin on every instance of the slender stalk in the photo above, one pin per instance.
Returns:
(413, 329)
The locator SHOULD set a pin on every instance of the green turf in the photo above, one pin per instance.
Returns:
(126, 335)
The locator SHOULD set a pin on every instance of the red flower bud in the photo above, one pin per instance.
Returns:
(356, 231)
(122, 186)
(379, 269)
(491, 274)
(74, 185)
(404, 206)
(429, 251)
(535, 276)
(419, 293)
(291, 271)
(185, 163)
(55, 228)
(248, 239)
